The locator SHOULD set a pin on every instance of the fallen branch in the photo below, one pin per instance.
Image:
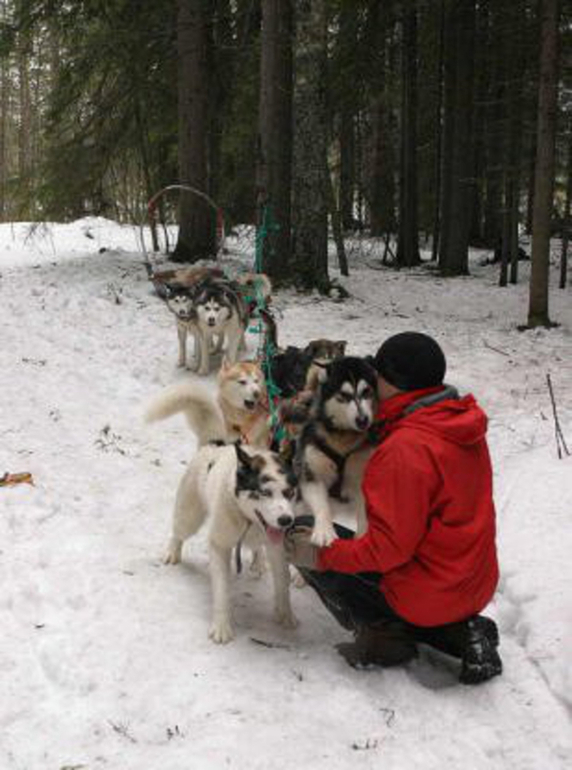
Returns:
(11, 479)
(497, 350)
(560, 440)
(271, 645)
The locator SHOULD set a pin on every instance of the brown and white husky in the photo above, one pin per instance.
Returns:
(239, 410)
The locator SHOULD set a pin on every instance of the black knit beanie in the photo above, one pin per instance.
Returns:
(411, 361)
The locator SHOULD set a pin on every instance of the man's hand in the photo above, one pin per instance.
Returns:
(299, 550)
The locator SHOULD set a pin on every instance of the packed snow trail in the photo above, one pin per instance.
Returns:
(105, 660)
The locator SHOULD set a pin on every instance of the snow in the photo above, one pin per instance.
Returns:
(104, 655)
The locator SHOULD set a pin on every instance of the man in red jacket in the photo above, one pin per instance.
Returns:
(427, 564)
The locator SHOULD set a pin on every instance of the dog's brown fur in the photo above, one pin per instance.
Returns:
(250, 425)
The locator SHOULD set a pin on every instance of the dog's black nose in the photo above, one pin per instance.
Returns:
(211, 322)
(362, 422)
(248, 403)
(285, 520)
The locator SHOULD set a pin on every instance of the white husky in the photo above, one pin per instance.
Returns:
(247, 494)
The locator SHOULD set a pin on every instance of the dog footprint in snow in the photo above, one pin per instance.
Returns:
(109, 441)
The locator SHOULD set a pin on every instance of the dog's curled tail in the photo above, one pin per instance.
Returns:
(198, 406)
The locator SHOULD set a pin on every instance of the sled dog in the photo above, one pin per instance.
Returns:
(213, 316)
(238, 411)
(296, 369)
(334, 443)
(243, 401)
(220, 315)
(297, 373)
(215, 310)
(180, 303)
(248, 496)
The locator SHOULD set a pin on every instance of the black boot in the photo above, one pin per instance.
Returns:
(480, 660)
(474, 641)
(386, 643)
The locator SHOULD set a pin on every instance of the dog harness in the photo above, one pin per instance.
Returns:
(336, 457)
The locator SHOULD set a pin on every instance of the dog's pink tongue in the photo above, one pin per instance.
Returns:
(274, 535)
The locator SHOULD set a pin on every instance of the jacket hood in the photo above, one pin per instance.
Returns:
(459, 420)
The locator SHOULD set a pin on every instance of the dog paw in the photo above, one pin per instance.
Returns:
(296, 579)
(323, 535)
(221, 632)
(286, 619)
(173, 556)
(257, 566)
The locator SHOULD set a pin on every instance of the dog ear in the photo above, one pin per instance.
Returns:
(341, 347)
(310, 349)
(243, 457)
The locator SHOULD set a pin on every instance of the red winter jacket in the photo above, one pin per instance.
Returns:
(431, 516)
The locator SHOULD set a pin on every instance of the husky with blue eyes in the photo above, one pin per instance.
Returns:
(248, 497)
(214, 313)
(335, 443)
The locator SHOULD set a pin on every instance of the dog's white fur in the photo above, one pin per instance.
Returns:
(211, 324)
(215, 322)
(209, 490)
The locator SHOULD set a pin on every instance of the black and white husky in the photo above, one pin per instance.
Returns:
(215, 315)
(180, 303)
(334, 443)
(248, 496)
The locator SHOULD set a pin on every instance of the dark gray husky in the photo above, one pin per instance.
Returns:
(335, 444)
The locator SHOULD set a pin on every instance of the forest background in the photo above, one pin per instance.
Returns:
(441, 122)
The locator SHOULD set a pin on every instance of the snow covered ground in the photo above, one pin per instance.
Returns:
(104, 655)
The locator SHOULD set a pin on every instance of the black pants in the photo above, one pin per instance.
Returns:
(354, 600)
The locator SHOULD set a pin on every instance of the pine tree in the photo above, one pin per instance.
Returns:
(274, 145)
(310, 181)
(544, 169)
(457, 137)
(408, 240)
(196, 218)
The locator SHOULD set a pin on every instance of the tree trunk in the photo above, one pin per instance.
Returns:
(347, 167)
(382, 178)
(311, 182)
(196, 218)
(494, 129)
(25, 124)
(222, 64)
(516, 133)
(438, 137)
(337, 229)
(457, 137)
(4, 101)
(513, 141)
(408, 236)
(483, 58)
(566, 218)
(274, 162)
(544, 168)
